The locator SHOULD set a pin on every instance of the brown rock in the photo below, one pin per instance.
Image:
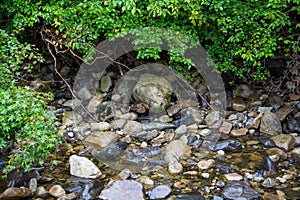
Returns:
(225, 127)
(15, 193)
(57, 191)
(239, 132)
(238, 104)
(284, 141)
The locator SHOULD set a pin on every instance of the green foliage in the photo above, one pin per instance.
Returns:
(24, 121)
(237, 34)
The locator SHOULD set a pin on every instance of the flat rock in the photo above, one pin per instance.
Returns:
(83, 167)
(284, 141)
(233, 177)
(133, 128)
(41, 192)
(123, 190)
(225, 127)
(212, 118)
(15, 193)
(159, 192)
(71, 118)
(95, 102)
(270, 124)
(118, 123)
(240, 190)
(239, 132)
(105, 83)
(283, 112)
(175, 150)
(84, 94)
(101, 139)
(57, 191)
(101, 126)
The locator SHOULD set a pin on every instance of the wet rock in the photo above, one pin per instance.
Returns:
(71, 118)
(174, 109)
(118, 123)
(283, 112)
(186, 120)
(146, 181)
(176, 149)
(256, 121)
(189, 197)
(147, 135)
(231, 145)
(123, 190)
(70, 196)
(240, 190)
(15, 193)
(17, 177)
(156, 125)
(154, 91)
(95, 102)
(294, 124)
(112, 153)
(104, 111)
(57, 191)
(205, 164)
(226, 169)
(263, 110)
(225, 127)
(146, 152)
(41, 192)
(212, 118)
(270, 124)
(175, 167)
(99, 140)
(276, 152)
(244, 91)
(133, 128)
(33, 185)
(83, 167)
(267, 164)
(284, 141)
(85, 188)
(233, 177)
(105, 83)
(238, 104)
(269, 182)
(101, 126)
(239, 132)
(159, 192)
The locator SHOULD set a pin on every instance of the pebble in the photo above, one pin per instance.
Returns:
(284, 141)
(33, 185)
(240, 190)
(225, 127)
(239, 132)
(101, 126)
(212, 118)
(233, 177)
(132, 128)
(57, 191)
(159, 192)
(41, 192)
(175, 168)
(270, 124)
(205, 164)
(238, 104)
(205, 175)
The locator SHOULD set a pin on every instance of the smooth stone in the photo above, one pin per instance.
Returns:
(133, 128)
(146, 152)
(239, 132)
(84, 94)
(146, 181)
(125, 174)
(105, 83)
(165, 119)
(33, 185)
(123, 190)
(233, 177)
(238, 104)
(294, 124)
(159, 192)
(175, 150)
(205, 175)
(65, 70)
(231, 145)
(129, 116)
(225, 127)
(197, 116)
(189, 197)
(175, 168)
(71, 118)
(101, 139)
(263, 110)
(267, 164)
(111, 153)
(244, 91)
(156, 125)
(283, 112)
(95, 102)
(83, 167)
(205, 164)
(101, 126)
(15, 193)
(41, 192)
(181, 130)
(270, 124)
(118, 123)
(73, 103)
(240, 190)
(57, 191)
(212, 118)
(284, 141)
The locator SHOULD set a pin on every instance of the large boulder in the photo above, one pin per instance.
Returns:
(154, 91)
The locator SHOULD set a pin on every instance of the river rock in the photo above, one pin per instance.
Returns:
(283, 112)
(154, 91)
(133, 128)
(180, 131)
(205, 164)
(84, 94)
(41, 192)
(70, 196)
(101, 139)
(57, 191)
(118, 123)
(105, 83)
(15, 193)
(239, 190)
(165, 119)
(176, 149)
(233, 177)
(212, 118)
(175, 167)
(239, 132)
(159, 192)
(284, 141)
(276, 152)
(174, 109)
(83, 167)
(256, 121)
(294, 124)
(238, 104)
(33, 185)
(244, 91)
(270, 124)
(101, 126)
(95, 102)
(225, 127)
(230, 145)
(71, 118)
(123, 190)
(128, 116)
(156, 125)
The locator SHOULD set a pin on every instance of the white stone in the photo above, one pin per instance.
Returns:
(83, 167)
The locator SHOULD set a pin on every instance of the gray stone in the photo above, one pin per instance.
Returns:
(165, 119)
(33, 185)
(180, 131)
(283, 112)
(154, 91)
(159, 192)
(174, 109)
(205, 164)
(101, 139)
(101, 126)
(244, 91)
(212, 118)
(175, 150)
(95, 102)
(65, 70)
(156, 125)
(294, 124)
(240, 190)
(262, 110)
(15, 193)
(197, 116)
(57, 191)
(123, 190)
(105, 83)
(118, 123)
(83, 167)
(270, 124)
(84, 94)
(132, 128)
(128, 116)
(284, 141)
(71, 118)
(73, 103)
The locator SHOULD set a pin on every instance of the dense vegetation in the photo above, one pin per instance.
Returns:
(238, 34)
